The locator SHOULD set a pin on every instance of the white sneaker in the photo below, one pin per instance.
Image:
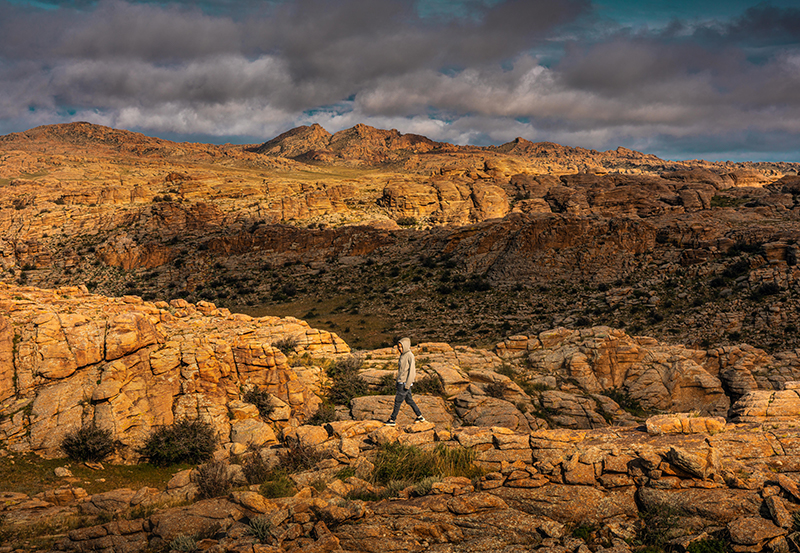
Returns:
(420, 419)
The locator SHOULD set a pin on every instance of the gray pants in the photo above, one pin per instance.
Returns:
(403, 394)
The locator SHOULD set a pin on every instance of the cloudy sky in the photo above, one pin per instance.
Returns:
(682, 79)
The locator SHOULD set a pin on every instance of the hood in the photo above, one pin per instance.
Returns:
(405, 344)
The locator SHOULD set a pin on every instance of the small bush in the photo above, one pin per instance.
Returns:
(261, 399)
(584, 532)
(346, 365)
(345, 473)
(768, 289)
(278, 484)
(183, 543)
(213, 480)
(298, 457)
(346, 387)
(708, 545)
(286, 345)
(737, 269)
(431, 385)
(626, 402)
(388, 385)
(260, 527)
(347, 383)
(411, 465)
(89, 443)
(531, 388)
(256, 470)
(660, 525)
(406, 221)
(495, 389)
(182, 442)
(424, 486)
(325, 414)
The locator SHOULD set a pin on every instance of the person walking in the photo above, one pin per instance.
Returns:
(406, 374)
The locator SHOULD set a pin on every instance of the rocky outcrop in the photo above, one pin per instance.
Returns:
(129, 366)
(768, 405)
(74, 359)
(622, 484)
(602, 360)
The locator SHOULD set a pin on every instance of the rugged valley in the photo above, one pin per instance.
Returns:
(609, 338)
(374, 234)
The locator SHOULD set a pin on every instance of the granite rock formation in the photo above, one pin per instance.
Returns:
(71, 359)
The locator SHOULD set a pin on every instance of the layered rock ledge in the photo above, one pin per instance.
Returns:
(537, 489)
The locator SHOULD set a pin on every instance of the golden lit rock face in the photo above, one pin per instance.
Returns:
(73, 358)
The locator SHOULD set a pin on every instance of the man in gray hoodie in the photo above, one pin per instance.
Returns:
(406, 374)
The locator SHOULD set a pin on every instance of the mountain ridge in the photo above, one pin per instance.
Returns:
(362, 145)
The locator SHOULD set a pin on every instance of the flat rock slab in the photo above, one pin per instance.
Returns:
(564, 503)
(380, 408)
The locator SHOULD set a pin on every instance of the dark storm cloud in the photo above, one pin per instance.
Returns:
(143, 32)
(298, 55)
(762, 24)
(459, 70)
(362, 39)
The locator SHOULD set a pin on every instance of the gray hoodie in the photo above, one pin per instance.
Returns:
(406, 366)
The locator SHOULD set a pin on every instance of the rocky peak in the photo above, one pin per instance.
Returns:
(360, 143)
(296, 142)
(82, 134)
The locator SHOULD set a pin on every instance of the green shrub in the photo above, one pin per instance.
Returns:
(260, 527)
(298, 457)
(289, 343)
(456, 461)
(388, 385)
(261, 399)
(406, 221)
(431, 385)
(411, 465)
(362, 494)
(346, 365)
(277, 484)
(346, 387)
(708, 545)
(506, 370)
(345, 473)
(213, 480)
(584, 532)
(88, 443)
(531, 388)
(184, 441)
(660, 525)
(495, 389)
(768, 289)
(183, 543)
(424, 486)
(347, 383)
(256, 470)
(737, 269)
(626, 402)
(325, 414)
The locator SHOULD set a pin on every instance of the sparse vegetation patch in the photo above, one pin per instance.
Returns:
(182, 442)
